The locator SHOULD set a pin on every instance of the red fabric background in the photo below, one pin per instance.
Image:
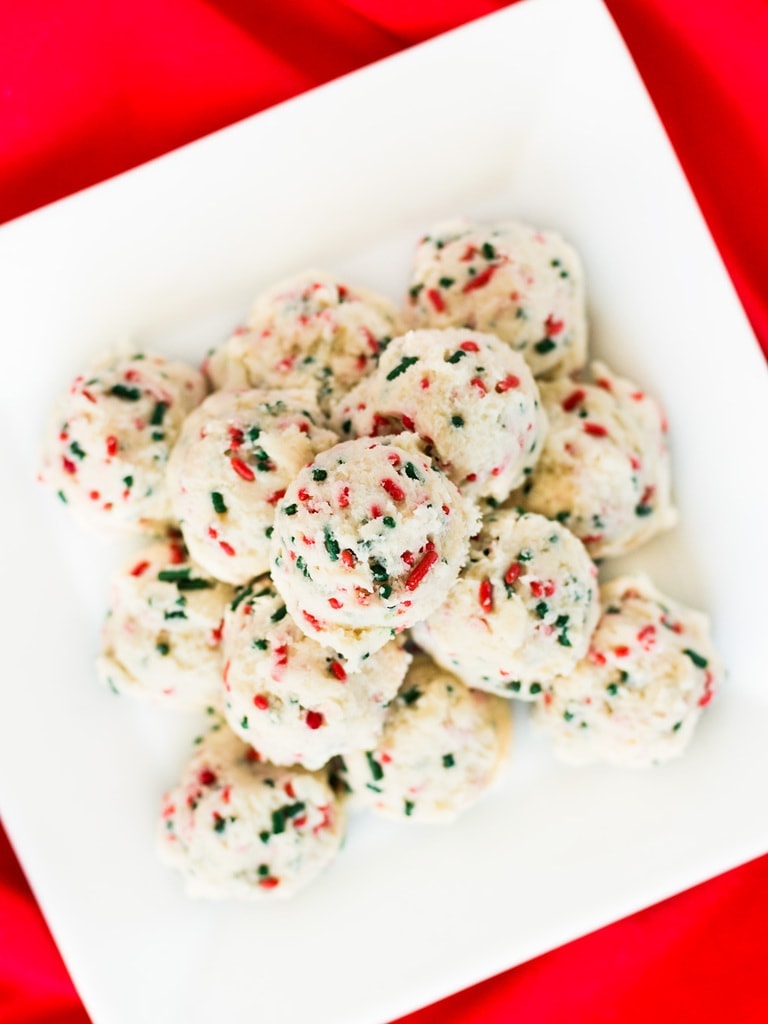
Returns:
(89, 88)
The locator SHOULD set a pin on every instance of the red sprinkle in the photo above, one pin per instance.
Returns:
(604, 383)
(470, 346)
(217, 633)
(140, 569)
(226, 548)
(236, 437)
(277, 496)
(436, 299)
(343, 498)
(261, 702)
(407, 422)
(206, 777)
(509, 382)
(596, 657)
(315, 623)
(69, 466)
(289, 790)
(176, 553)
(417, 574)
(424, 383)
(552, 326)
(481, 280)
(243, 469)
(575, 398)
(476, 382)
(334, 602)
(303, 494)
(646, 632)
(393, 489)
(408, 558)
(595, 429)
(338, 670)
(393, 458)
(348, 558)
(622, 651)
(111, 445)
(485, 593)
(512, 574)
(269, 882)
(252, 755)
(314, 719)
(280, 655)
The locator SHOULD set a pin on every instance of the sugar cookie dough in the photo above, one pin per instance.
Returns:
(604, 471)
(311, 330)
(162, 637)
(110, 436)
(235, 457)
(637, 696)
(293, 700)
(510, 279)
(469, 396)
(238, 828)
(441, 748)
(523, 609)
(368, 539)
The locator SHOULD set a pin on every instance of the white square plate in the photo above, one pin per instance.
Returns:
(537, 113)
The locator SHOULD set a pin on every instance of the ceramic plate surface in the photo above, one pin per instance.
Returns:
(536, 113)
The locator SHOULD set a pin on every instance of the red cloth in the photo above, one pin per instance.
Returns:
(89, 88)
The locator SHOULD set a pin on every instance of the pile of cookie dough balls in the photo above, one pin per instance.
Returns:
(368, 531)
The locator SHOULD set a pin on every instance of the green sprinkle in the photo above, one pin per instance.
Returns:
(377, 772)
(346, 426)
(269, 531)
(457, 421)
(219, 824)
(281, 612)
(128, 481)
(244, 722)
(239, 598)
(385, 591)
(260, 645)
(264, 836)
(457, 355)
(291, 510)
(173, 575)
(278, 821)
(158, 414)
(541, 609)
(127, 394)
(568, 716)
(254, 433)
(409, 806)
(534, 688)
(175, 615)
(194, 584)
(301, 565)
(411, 472)
(448, 761)
(414, 290)
(319, 474)
(158, 435)
(331, 545)
(263, 869)
(389, 521)
(411, 696)
(563, 640)
(219, 504)
(446, 282)
(488, 251)
(77, 450)
(402, 366)
(370, 785)
(163, 648)
(379, 573)
(676, 726)
(643, 510)
(563, 517)
(62, 496)
(514, 686)
(545, 345)
(525, 555)
(697, 659)
(562, 620)
(291, 810)
(612, 689)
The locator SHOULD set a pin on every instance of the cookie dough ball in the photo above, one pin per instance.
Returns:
(311, 330)
(239, 828)
(368, 539)
(235, 457)
(110, 437)
(293, 700)
(441, 748)
(162, 637)
(635, 699)
(469, 396)
(604, 471)
(523, 609)
(512, 280)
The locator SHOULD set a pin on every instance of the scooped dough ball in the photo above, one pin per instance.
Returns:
(635, 699)
(236, 455)
(293, 700)
(110, 437)
(239, 828)
(441, 748)
(469, 396)
(311, 330)
(368, 540)
(604, 471)
(162, 637)
(523, 609)
(512, 280)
